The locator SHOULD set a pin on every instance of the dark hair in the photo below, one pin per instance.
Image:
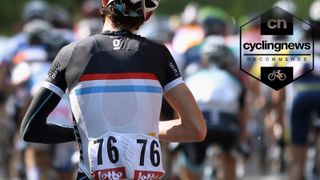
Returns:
(119, 20)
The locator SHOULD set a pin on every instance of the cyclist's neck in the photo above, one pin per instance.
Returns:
(109, 27)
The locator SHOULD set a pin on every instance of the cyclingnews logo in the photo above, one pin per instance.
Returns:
(272, 45)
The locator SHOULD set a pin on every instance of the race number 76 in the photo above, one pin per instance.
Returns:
(113, 152)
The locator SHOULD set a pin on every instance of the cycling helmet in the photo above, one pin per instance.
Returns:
(37, 31)
(35, 9)
(314, 20)
(146, 6)
(60, 17)
(216, 52)
(214, 26)
(190, 13)
(287, 5)
(314, 12)
(214, 20)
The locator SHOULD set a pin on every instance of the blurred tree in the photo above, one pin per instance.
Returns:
(10, 10)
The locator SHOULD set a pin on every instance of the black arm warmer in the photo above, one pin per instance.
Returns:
(34, 127)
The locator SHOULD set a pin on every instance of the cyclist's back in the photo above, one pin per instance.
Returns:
(138, 76)
(116, 88)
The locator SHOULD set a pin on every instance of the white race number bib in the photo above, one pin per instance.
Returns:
(125, 156)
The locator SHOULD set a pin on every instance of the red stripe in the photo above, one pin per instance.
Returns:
(89, 77)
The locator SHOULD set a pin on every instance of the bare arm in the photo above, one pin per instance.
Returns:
(191, 126)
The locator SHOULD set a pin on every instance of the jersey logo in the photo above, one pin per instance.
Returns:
(114, 173)
(116, 44)
(147, 175)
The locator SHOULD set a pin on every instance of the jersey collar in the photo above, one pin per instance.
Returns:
(116, 33)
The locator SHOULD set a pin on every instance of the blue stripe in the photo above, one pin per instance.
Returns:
(116, 89)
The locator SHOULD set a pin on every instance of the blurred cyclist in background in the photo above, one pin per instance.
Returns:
(303, 97)
(6, 126)
(30, 66)
(62, 32)
(91, 22)
(34, 12)
(29, 55)
(182, 39)
(214, 81)
(214, 23)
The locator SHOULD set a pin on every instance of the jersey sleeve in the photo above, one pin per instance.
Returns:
(34, 127)
(172, 76)
(56, 80)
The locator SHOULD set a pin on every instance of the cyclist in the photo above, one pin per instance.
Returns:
(26, 75)
(222, 103)
(182, 40)
(116, 80)
(33, 12)
(214, 23)
(33, 63)
(220, 95)
(303, 101)
(5, 124)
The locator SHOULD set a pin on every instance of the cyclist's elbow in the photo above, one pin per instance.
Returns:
(26, 137)
(200, 132)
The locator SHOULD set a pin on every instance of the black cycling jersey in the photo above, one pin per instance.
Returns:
(112, 52)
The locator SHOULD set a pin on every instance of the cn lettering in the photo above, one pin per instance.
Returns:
(277, 24)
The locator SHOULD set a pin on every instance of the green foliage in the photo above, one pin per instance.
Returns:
(236, 9)
(10, 10)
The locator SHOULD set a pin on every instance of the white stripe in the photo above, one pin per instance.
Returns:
(172, 84)
(119, 82)
(53, 88)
